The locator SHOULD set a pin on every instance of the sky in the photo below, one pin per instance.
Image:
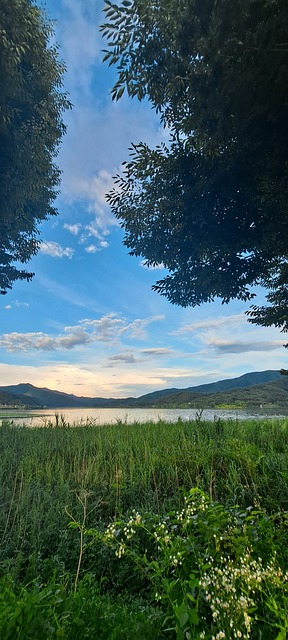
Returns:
(89, 323)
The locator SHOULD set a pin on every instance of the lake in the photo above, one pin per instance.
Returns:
(42, 417)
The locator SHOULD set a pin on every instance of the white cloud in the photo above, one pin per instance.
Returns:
(91, 191)
(26, 341)
(38, 341)
(91, 248)
(95, 189)
(73, 228)
(55, 250)
(106, 329)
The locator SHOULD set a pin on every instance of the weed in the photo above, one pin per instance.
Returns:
(205, 568)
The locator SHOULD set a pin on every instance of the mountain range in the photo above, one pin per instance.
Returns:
(250, 389)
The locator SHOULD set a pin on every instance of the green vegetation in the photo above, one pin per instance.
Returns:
(235, 405)
(98, 539)
(270, 394)
(210, 204)
(32, 104)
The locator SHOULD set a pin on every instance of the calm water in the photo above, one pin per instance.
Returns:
(40, 417)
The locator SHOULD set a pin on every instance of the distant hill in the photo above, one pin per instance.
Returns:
(246, 380)
(224, 391)
(43, 397)
(12, 400)
(269, 393)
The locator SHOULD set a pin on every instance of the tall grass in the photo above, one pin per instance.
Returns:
(45, 471)
(56, 581)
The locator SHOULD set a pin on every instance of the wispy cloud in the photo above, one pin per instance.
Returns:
(210, 323)
(137, 328)
(55, 250)
(80, 42)
(221, 337)
(17, 304)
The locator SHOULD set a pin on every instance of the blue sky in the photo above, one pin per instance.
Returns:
(89, 323)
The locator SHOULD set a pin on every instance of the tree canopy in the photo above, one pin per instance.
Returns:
(31, 106)
(211, 205)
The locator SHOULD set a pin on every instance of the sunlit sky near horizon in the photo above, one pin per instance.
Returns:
(89, 323)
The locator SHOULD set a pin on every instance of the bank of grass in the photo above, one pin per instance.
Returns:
(94, 475)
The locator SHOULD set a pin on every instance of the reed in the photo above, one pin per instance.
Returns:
(144, 466)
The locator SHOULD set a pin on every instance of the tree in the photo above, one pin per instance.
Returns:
(212, 204)
(31, 127)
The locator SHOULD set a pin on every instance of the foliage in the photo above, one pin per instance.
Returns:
(31, 127)
(119, 571)
(210, 205)
(44, 472)
(277, 312)
(52, 611)
(205, 568)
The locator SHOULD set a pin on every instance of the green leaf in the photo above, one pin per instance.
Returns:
(193, 616)
(281, 635)
(182, 614)
(120, 93)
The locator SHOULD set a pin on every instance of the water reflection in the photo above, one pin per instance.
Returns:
(40, 417)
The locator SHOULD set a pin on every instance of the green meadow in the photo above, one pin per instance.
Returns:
(144, 531)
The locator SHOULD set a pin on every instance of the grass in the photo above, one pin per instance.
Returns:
(47, 475)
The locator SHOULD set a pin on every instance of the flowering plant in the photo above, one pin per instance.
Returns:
(213, 570)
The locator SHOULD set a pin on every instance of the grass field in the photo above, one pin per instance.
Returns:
(77, 562)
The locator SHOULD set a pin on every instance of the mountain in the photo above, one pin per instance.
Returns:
(246, 380)
(269, 393)
(12, 400)
(43, 397)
